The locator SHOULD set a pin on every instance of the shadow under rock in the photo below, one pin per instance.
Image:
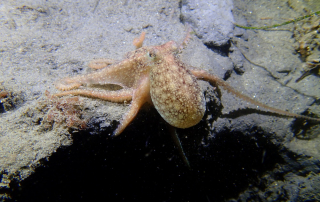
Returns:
(142, 164)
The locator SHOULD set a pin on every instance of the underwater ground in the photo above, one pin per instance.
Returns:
(62, 149)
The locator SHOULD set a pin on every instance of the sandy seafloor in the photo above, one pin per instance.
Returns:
(237, 153)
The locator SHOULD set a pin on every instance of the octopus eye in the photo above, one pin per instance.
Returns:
(151, 54)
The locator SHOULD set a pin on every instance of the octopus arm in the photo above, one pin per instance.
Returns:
(113, 96)
(118, 74)
(140, 96)
(216, 81)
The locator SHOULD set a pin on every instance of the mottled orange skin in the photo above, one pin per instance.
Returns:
(147, 75)
(175, 92)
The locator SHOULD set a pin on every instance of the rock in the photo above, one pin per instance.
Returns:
(212, 20)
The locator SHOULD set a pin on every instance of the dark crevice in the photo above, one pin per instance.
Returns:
(1, 108)
(221, 50)
(142, 164)
(181, 16)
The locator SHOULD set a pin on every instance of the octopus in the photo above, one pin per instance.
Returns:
(157, 76)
